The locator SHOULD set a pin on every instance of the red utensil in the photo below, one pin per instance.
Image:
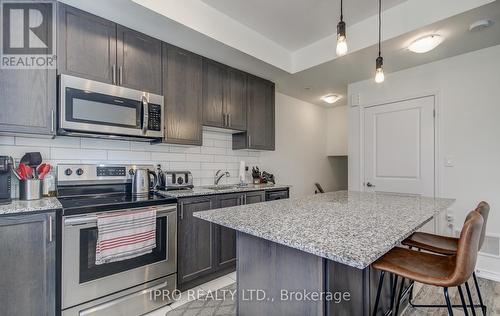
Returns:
(24, 171)
(43, 169)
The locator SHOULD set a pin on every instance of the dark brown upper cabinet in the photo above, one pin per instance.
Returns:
(260, 116)
(97, 49)
(138, 60)
(182, 80)
(224, 96)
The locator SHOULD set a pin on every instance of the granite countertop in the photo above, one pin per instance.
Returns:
(24, 207)
(353, 228)
(201, 191)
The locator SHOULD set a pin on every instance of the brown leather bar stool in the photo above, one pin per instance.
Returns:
(448, 246)
(434, 269)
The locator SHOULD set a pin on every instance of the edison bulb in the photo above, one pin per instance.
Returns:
(379, 75)
(341, 45)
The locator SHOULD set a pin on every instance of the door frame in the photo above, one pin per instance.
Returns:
(437, 123)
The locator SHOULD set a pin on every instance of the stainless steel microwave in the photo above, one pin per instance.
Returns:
(96, 109)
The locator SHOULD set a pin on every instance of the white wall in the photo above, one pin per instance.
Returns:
(336, 140)
(468, 100)
(300, 158)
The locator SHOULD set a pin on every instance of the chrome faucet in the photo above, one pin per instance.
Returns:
(219, 174)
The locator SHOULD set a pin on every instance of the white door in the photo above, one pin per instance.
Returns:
(399, 147)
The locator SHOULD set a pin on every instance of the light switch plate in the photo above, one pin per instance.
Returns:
(355, 99)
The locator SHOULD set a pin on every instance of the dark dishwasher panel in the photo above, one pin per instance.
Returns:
(277, 195)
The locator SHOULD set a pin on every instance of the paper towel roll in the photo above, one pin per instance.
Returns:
(242, 172)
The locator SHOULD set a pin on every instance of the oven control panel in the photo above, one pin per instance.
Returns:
(71, 174)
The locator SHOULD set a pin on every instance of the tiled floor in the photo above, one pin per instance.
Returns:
(227, 307)
(188, 301)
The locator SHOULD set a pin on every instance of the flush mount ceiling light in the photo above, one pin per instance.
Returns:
(341, 37)
(426, 44)
(480, 25)
(331, 98)
(379, 62)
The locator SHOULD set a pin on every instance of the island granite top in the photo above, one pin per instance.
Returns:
(26, 207)
(352, 228)
(202, 191)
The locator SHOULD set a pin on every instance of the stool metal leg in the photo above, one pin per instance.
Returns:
(464, 305)
(402, 283)
(393, 291)
(483, 307)
(448, 303)
(471, 302)
(379, 289)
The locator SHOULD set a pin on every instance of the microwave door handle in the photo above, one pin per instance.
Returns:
(145, 115)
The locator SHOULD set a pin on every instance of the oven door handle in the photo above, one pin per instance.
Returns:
(92, 218)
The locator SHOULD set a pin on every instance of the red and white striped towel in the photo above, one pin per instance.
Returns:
(125, 235)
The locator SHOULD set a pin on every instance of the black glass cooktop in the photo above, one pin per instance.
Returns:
(108, 202)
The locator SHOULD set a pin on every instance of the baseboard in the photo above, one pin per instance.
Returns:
(489, 275)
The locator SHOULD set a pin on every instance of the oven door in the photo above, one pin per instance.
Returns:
(87, 106)
(83, 280)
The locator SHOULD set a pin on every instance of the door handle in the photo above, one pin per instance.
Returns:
(368, 184)
(229, 120)
(182, 210)
(120, 75)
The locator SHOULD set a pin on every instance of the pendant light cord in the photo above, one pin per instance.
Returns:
(379, 26)
(341, 11)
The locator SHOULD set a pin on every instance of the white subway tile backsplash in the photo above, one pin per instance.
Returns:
(168, 156)
(213, 150)
(92, 143)
(203, 161)
(129, 155)
(72, 153)
(61, 141)
(17, 152)
(6, 140)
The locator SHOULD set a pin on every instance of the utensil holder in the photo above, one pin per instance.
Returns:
(30, 189)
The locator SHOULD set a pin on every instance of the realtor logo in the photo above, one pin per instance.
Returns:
(28, 34)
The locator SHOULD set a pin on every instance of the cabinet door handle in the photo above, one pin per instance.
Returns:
(120, 75)
(113, 73)
(249, 140)
(50, 228)
(52, 121)
(229, 120)
(182, 210)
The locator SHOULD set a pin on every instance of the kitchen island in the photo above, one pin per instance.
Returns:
(312, 255)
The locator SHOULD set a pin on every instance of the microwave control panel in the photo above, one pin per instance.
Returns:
(154, 123)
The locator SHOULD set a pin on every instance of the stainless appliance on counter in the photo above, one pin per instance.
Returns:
(117, 288)
(141, 181)
(96, 109)
(5, 179)
(178, 180)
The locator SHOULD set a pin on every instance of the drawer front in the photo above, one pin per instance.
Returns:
(276, 195)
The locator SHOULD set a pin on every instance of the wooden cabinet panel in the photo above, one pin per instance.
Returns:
(255, 197)
(86, 45)
(260, 117)
(139, 61)
(195, 240)
(226, 237)
(182, 81)
(28, 261)
(235, 104)
(214, 75)
(28, 101)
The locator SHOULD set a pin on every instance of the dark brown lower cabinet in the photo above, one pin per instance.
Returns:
(28, 263)
(207, 251)
(195, 241)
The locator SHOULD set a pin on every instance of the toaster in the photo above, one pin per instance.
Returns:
(178, 180)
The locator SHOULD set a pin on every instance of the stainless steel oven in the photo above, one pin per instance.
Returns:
(98, 109)
(118, 288)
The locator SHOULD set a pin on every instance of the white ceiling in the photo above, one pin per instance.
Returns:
(294, 24)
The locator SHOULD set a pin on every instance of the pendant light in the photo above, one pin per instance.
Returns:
(379, 72)
(341, 38)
